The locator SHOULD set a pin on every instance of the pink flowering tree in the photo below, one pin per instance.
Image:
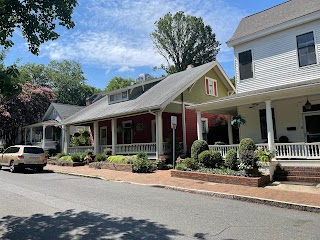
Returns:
(26, 108)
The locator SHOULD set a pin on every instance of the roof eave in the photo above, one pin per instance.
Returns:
(280, 27)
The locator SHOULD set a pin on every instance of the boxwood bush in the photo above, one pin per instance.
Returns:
(210, 159)
(247, 156)
(191, 163)
(100, 158)
(142, 165)
(198, 147)
(231, 160)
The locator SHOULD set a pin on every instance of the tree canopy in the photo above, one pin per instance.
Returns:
(26, 108)
(37, 20)
(65, 78)
(118, 82)
(184, 39)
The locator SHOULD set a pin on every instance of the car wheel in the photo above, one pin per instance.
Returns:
(12, 167)
(39, 169)
(0, 166)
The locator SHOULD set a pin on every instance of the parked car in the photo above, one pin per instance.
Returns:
(21, 157)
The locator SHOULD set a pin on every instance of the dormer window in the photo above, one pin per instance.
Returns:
(119, 97)
(245, 65)
(306, 49)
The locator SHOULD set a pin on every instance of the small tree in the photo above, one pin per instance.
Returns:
(118, 82)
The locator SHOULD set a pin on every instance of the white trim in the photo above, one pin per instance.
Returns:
(119, 100)
(214, 89)
(252, 65)
(153, 130)
(302, 32)
(206, 125)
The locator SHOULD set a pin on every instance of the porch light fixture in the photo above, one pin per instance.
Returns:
(308, 105)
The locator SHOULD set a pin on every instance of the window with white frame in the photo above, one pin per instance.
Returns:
(119, 97)
(306, 49)
(211, 87)
(103, 136)
(245, 65)
(205, 128)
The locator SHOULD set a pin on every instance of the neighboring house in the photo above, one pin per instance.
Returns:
(47, 133)
(277, 72)
(138, 117)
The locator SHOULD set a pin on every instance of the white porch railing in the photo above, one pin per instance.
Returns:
(49, 144)
(79, 149)
(103, 147)
(134, 148)
(283, 150)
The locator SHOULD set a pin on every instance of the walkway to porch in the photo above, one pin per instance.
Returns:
(300, 150)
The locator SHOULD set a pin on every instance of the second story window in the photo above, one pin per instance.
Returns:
(211, 87)
(306, 49)
(245, 65)
(119, 97)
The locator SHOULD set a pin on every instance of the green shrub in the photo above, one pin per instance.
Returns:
(118, 159)
(168, 166)
(142, 165)
(51, 152)
(231, 160)
(247, 157)
(76, 157)
(142, 155)
(83, 156)
(59, 155)
(100, 158)
(198, 147)
(210, 159)
(65, 159)
(191, 163)
(107, 151)
(181, 166)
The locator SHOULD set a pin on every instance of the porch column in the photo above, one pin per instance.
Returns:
(184, 130)
(31, 135)
(43, 136)
(269, 125)
(230, 136)
(96, 137)
(66, 140)
(159, 134)
(114, 135)
(199, 126)
(271, 145)
(63, 136)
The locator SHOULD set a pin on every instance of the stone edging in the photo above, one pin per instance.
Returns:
(264, 201)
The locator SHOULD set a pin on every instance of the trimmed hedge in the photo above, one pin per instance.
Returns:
(198, 147)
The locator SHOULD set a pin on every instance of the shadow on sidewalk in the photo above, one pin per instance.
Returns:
(81, 225)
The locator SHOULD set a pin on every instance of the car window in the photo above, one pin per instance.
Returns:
(33, 150)
(12, 150)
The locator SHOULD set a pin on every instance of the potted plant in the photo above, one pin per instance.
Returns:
(237, 121)
(264, 155)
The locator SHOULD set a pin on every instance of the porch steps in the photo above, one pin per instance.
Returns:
(297, 174)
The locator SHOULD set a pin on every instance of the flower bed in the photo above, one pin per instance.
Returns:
(66, 163)
(112, 166)
(238, 180)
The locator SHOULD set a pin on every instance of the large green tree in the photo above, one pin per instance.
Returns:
(118, 82)
(37, 20)
(65, 78)
(184, 39)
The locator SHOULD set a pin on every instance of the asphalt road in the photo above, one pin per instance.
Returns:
(55, 206)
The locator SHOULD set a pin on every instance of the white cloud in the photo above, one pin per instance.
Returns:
(125, 69)
(116, 34)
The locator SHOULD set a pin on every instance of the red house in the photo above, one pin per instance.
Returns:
(138, 118)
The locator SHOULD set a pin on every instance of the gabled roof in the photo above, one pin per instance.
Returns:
(156, 98)
(273, 17)
(63, 110)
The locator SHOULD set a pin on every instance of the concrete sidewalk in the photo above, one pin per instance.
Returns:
(276, 194)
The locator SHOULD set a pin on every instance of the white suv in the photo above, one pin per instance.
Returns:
(20, 157)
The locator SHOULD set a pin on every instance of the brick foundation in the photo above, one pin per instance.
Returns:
(246, 181)
(112, 166)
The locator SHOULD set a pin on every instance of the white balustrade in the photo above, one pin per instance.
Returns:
(103, 147)
(134, 148)
(283, 150)
(80, 149)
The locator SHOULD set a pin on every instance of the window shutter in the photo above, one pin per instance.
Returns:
(207, 86)
(215, 90)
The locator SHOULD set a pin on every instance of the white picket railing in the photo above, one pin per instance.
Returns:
(103, 147)
(134, 148)
(80, 149)
(283, 150)
(49, 144)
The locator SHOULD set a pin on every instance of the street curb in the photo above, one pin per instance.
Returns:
(264, 201)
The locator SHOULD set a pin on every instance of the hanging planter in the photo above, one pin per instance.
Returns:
(237, 121)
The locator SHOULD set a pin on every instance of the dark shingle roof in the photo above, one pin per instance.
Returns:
(66, 110)
(153, 99)
(274, 16)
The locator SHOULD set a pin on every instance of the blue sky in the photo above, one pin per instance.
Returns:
(112, 37)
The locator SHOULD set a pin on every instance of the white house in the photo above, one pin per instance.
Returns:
(47, 133)
(277, 72)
